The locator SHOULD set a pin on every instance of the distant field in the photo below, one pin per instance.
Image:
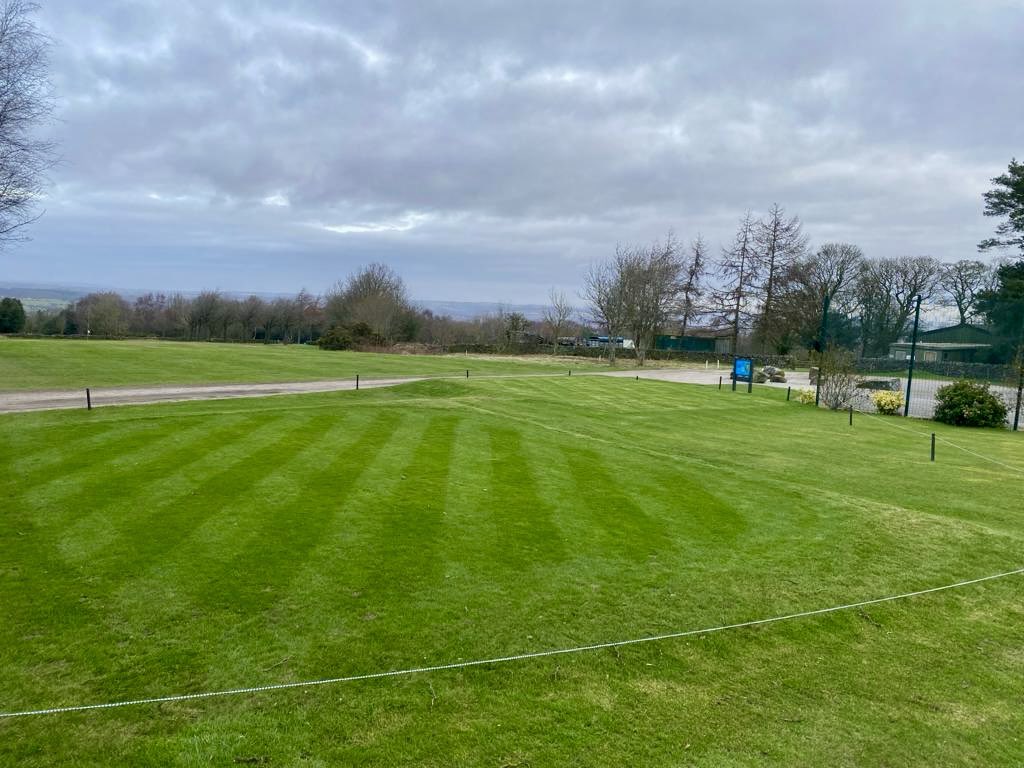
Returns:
(73, 364)
(201, 546)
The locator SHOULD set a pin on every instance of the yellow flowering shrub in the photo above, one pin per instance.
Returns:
(888, 402)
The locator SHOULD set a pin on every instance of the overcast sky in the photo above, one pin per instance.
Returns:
(488, 151)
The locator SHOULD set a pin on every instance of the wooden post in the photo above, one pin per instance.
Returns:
(789, 391)
(88, 399)
(933, 446)
(357, 382)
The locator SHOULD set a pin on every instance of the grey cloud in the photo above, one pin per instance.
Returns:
(493, 148)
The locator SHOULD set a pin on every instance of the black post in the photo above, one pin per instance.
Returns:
(750, 379)
(933, 446)
(851, 415)
(570, 371)
(467, 373)
(719, 382)
(357, 381)
(821, 346)
(88, 399)
(733, 379)
(913, 356)
(789, 391)
(1020, 389)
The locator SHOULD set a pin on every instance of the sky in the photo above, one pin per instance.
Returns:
(488, 151)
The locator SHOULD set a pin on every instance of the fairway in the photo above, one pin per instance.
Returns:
(190, 547)
(79, 363)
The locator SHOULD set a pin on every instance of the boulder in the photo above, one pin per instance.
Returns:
(886, 384)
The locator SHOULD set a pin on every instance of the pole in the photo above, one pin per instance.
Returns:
(913, 356)
(357, 381)
(933, 446)
(789, 391)
(719, 382)
(851, 415)
(88, 399)
(1020, 389)
(821, 346)
(750, 378)
(467, 373)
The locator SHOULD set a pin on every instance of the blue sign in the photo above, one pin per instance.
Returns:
(742, 368)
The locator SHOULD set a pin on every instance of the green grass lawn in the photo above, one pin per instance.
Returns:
(75, 364)
(153, 550)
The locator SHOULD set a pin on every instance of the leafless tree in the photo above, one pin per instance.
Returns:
(780, 243)
(604, 293)
(961, 282)
(556, 315)
(25, 104)
(886, 293)
(692, 290)
(650, 279)
(738, 271)
(375, 295)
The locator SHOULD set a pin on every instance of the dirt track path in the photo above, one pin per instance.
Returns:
(45, 400)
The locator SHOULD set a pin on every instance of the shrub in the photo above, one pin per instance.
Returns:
(337, 337)
(805, 396)
(837, 383)
(887, 402)
(350, 337)
(969, 404)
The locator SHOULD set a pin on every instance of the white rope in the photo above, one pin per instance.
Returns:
(940, 439)
(503, 659)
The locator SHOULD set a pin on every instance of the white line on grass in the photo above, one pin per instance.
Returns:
(503, 659)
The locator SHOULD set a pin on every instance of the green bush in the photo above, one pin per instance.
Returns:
(887, 402)
(337, 337)
(969, 404)
(351, 336)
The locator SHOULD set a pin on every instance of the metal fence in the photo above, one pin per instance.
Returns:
(928, 377)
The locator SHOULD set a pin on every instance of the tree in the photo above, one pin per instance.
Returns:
(779, 242)
(1003, 305)
(828, 274)
(556, 315)
(650, 279)
(603, 291)
(886, 293)
(692, 289)
(1006, 200)
(12, 316)
(25, 103)
(374, 295)
(102, 314)
(961, 282)
(738, 271)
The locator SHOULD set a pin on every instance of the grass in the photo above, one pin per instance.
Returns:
(187, 547)
(75, 364)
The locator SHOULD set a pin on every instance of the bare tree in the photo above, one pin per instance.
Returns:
(961, 282)
(780, 243)
(650, 279)
(692, 289)
(603, 291)
(556, 315)
(25, 104)
(375, 295)
(886, 293)
(738, 269)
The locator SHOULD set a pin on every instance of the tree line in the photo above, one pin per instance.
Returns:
(768, 291)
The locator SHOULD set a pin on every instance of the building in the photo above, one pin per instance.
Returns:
(963, 343)
(697, 340)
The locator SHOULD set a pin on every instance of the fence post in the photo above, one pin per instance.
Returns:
(1020, 388)
(719, 382)
(851, 415)
(357, 381)
(933, 446)
(467, 373)
(88, 399)
(913, 356)
(789, 391)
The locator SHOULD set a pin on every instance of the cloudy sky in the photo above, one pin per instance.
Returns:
(490, 150)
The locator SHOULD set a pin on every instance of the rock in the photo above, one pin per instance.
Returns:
(890, 385)
(778, 378)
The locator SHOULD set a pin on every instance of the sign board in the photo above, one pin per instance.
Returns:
(743, 369)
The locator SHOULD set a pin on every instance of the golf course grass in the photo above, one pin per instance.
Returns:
(177, 548)
(78, 363)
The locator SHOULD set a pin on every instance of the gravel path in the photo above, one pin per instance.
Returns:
(42, 400)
